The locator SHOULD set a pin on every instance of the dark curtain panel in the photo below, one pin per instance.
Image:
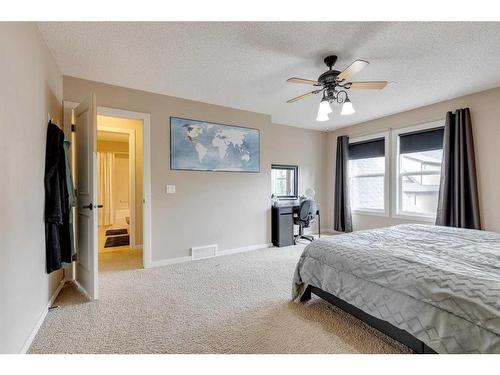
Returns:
(342, 208)
(458, 204)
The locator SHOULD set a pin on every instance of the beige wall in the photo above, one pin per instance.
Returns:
(31, 89)
(227, 208)
(485, 112)
(306, 149)
(130, 124)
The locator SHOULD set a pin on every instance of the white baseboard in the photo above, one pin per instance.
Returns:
(244, 249)
(166, 262)
(82, 289)
(329, 231)
(41, 319)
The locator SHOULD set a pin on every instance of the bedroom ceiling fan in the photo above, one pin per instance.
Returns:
(334, 86)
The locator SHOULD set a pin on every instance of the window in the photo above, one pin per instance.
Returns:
(418, 171)
(397, 176)
(284, 180)
(367, 175)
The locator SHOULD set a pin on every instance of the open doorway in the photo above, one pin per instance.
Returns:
(81, 121)
(119, 192)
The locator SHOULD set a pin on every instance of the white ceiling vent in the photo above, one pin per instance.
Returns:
(202, 252)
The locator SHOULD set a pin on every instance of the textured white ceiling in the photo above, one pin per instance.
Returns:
(245, 64)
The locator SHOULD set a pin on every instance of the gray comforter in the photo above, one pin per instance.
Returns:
(440, 284)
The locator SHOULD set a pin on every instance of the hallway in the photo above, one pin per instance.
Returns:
(121, 259)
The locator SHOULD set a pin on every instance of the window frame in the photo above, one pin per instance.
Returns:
(372, 211)
(396, 203)
(295, 168)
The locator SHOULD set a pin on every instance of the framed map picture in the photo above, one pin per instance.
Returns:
(204, 146)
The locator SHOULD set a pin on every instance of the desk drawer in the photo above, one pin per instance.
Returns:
(285, 210)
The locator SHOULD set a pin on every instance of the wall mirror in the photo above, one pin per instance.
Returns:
(285, 181)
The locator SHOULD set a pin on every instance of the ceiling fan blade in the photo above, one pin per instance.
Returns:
(368, 85)
(302, 80)
(354, 68)
(301, 96)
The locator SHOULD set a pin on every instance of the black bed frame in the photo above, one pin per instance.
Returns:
(396, 333)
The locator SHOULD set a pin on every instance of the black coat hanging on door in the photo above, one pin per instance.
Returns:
(57, 206)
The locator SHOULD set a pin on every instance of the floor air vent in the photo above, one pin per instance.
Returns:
(202, 252)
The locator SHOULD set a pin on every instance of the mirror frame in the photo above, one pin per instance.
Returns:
(295, 168)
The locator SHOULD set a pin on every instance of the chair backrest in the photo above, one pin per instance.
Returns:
(307, 210)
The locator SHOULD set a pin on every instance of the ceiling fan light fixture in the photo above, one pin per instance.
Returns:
(335, 84)
(347, 108)
(324, 110)
(324, 107)
(322, 117)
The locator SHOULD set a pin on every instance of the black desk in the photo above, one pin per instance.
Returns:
(282, 224)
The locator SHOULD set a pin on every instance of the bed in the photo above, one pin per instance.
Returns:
(435, 289)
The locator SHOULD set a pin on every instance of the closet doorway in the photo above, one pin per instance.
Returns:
(119, 191)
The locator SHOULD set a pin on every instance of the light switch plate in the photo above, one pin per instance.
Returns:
(170, 189)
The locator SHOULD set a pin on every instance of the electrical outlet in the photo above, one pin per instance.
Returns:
(170, 189)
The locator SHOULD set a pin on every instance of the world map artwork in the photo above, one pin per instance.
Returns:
(205, 146)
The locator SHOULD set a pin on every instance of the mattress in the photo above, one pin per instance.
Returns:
(440, 284)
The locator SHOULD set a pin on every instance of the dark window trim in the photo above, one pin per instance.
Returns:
(295, 168)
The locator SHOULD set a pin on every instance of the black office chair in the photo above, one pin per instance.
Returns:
(305, 216)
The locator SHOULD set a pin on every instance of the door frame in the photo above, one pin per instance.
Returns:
(132, 177)
(68, 106)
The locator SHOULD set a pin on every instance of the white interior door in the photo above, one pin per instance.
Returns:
(85, 116)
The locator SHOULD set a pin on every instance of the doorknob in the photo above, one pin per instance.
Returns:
(90, 206)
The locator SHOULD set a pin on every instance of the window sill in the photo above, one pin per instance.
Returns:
(421, 218)
(369, 213)
(417, 218)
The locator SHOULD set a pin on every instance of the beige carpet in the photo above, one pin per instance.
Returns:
(230, 304)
